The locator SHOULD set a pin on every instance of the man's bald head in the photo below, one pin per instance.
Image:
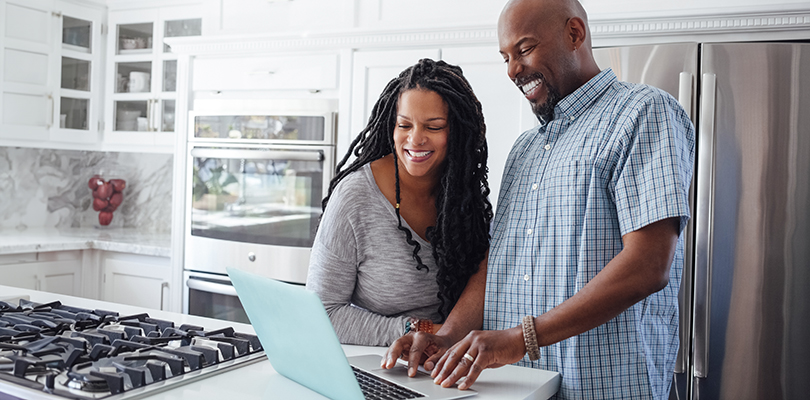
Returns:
(546, 45)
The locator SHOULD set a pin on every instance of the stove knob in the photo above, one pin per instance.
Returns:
(252, 256)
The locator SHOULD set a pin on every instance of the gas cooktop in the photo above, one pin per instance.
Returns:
(83, 354)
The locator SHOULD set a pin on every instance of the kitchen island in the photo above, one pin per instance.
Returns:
(258, 380)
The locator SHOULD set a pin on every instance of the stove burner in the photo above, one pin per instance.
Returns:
(91, 354)
(86, 382)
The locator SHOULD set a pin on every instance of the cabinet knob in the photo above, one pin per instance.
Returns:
(252, 256)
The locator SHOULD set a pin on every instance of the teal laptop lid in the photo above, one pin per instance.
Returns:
(296, 334)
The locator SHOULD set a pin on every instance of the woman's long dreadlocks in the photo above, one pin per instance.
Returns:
(460, 238)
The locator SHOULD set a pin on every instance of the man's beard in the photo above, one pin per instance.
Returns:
(545, 111)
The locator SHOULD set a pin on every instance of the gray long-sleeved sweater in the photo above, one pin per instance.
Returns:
(363, 269)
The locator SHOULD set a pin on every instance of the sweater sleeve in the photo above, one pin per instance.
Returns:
(333, 272)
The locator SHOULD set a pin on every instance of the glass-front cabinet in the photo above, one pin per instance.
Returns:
(51, 71)
(142, 74)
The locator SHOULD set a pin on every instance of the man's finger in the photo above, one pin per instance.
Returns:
(472, 375)
(450, 361)
(465, 361)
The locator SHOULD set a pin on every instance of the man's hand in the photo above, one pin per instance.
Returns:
(488, 349)
(417, 348)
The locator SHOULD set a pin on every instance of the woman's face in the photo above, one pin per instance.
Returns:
(420, 135)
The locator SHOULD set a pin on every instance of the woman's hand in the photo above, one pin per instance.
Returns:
(417, 348)
(488, 349)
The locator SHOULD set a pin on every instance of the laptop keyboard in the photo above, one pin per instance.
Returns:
(376, 388)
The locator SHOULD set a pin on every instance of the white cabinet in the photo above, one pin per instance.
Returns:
(141, 83)
(136, 280)
(51, 72)
(56, 272)
(308, 72)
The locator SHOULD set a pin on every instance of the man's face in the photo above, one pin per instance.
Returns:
(537, 59)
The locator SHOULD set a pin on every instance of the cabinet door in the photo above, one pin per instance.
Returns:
(142, 75)
(77, 91)
(506, 112)
(55, 272)
(28, 46)
(373, 70)
(136, 280)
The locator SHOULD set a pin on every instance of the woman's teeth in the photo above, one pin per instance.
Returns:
(418, 154)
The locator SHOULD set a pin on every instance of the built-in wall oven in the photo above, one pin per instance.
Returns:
(256, 178)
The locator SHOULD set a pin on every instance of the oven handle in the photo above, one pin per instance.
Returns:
(211, 287)
(258, 154)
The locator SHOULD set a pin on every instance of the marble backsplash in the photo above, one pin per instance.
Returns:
(48, 188)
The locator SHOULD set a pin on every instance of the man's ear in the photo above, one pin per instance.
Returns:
(576, 32)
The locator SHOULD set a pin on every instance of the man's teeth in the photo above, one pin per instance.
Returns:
(417, 154)
(529, 86)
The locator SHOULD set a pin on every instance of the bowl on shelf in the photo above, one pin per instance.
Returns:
(129, 43)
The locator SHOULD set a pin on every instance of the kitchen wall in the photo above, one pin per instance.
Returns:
(48, 188)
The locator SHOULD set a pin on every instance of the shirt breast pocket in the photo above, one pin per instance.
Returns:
(567, 189)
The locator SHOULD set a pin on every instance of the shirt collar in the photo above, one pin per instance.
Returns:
(573, 105)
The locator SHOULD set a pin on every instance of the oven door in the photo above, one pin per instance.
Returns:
(212, 296)
(255, 208)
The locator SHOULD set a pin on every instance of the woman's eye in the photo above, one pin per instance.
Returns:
(401, 126)
(435, 128)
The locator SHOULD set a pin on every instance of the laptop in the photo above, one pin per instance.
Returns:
(301, 344)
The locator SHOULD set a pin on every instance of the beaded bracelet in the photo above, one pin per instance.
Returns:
(424, 325)
(530, 338)
(410, 325)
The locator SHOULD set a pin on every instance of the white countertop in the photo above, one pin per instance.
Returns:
(260, 381)
(123, 240)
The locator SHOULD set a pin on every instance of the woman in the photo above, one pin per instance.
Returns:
(407, 222)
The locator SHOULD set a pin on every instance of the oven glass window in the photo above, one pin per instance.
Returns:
(216, 305)
(265, 127)
(261, 196)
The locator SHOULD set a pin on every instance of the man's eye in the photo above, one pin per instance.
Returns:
(526, 50)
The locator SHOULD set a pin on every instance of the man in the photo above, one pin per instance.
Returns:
(586, 256)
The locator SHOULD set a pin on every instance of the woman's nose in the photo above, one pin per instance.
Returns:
(417, 136)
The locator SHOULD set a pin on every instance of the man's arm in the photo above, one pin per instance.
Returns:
(640, 269)
(467, 315)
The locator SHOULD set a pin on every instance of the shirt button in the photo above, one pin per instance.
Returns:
(571, 118)
(547, 147)
(526, 277)
(528, 231)
(534, 186)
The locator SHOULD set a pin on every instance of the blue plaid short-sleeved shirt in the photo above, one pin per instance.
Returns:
(615, 158)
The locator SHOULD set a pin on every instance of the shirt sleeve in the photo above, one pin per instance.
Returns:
(333, 271)
(654, 171)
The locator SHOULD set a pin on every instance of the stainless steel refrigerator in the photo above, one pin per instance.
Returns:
(745, 294)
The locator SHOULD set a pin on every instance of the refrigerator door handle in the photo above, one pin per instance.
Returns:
(685, 92)
(703, 224)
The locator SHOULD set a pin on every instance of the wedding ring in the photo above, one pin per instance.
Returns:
(469, 357)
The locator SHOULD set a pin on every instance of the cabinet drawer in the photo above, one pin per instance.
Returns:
(266, 73)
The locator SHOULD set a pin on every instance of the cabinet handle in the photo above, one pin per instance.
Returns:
(153, 122)
(163, 286)
(149, 115)
(265, 72)
(50, 111)
(57, 14)
(37, 282)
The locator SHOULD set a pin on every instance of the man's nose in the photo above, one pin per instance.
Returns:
(513, 69)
